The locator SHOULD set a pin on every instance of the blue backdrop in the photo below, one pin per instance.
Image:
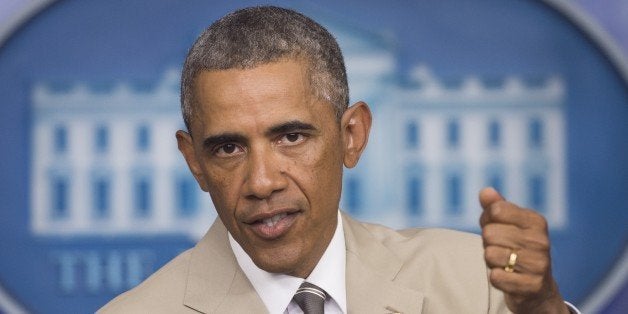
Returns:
(89, 49)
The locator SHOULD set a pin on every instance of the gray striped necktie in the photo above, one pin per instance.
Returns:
(310, 298)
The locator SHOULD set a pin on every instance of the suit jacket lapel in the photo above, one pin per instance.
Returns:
(371, 271)
(215, 282)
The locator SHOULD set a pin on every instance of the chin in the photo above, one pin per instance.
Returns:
(276, 266)
(278, 262)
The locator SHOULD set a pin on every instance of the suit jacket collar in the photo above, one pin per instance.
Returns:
(216, 284)
(371, 272)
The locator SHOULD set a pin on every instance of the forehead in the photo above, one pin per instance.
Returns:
(267, 93)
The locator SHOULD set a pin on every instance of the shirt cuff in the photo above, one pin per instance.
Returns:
(572, 308)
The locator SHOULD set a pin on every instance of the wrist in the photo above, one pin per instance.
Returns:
(554, 304)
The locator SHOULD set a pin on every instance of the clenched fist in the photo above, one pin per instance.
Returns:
(517, 250)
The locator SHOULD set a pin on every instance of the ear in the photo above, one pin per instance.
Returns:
(355, 127)
(186, 147)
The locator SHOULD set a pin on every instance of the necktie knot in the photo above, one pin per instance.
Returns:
(310, 298)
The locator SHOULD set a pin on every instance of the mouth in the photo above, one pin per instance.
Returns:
(272, 221)
(270, 226)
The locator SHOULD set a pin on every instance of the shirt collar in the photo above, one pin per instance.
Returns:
(277, 290)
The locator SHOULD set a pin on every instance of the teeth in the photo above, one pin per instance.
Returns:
(272, 221)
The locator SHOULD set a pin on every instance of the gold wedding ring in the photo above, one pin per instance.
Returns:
(512, 261)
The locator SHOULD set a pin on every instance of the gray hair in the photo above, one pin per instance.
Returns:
(254, 36)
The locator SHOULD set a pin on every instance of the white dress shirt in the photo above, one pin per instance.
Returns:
(277, 290)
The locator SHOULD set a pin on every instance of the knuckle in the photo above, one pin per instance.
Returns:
(541, 222)
(539, 265)
(544, 264)
(489, 234)
(486, 231)
(487, 254)
(490, 254)
(542, 243)
(537, 241)
(535, 219)
(530, 218)
(536, 284)
(495, 277)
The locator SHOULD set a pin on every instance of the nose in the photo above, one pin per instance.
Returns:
(265, 174)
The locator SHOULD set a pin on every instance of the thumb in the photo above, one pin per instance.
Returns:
(489, 196)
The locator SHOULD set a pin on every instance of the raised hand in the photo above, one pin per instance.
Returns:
(517, 250)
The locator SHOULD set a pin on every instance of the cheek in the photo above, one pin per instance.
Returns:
(319, 172)
(328, 161)
(325, 153)
(223, 191)
(317, 166)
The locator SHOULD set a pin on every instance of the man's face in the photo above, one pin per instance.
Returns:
(270, 154)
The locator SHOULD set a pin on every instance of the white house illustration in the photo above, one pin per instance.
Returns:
(436, 146)
(105, 161)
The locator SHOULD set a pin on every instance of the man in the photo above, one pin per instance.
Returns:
(265, 100)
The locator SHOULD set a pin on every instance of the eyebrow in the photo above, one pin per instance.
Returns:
(214, 140)
(289, 127)
(282, 128)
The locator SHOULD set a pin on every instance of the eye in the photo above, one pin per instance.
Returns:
(292, 138)
(227, 150)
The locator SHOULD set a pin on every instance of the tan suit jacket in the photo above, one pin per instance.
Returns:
(408, 271)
